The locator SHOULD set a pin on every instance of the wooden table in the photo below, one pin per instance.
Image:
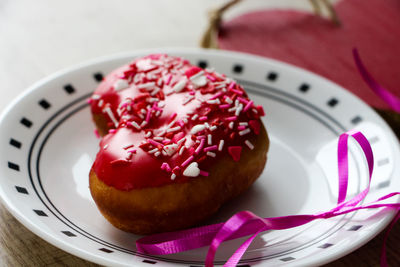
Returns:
(40, 37)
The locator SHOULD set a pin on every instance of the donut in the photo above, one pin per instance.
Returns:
(178, 142)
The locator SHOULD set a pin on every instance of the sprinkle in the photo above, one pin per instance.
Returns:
(177, 128)
(188, 99)
(249, 144)
(217, 95)
(132, 151)
(233, 118)
(244, 101)
(235, 152)
(213, 101)
(245, 131)
(243, 123)
(153, 150)
(173, 116)
(111, 115)
(204, 173)
(207, 125)
(198, 74)
(96, 97)
(211, 78)
(173, 176)
(241, 127)
(89, 101)
(148, 134)
(154, 143)
(157, 153)
(236, 91)
(128, 146)
(228, 100)
(221, 145)
(210, 148)
(96, 133)
(170, 149)
(213, 128)
(238, 110)
(209, 139)
(146, 86)
(105, 146)
(187, 161)
(192, 170)
(179, 86)
(231, 124)
(203, 118)
(201, 137)
(248, 106)
(168, 80)
(231, 85)
(181, 141)
(158, 138)
(197, 128)
(181, 150)
(155, 91)
(111, 131)
(100, 104)
(136, 125)
(121, 84)
(161, 104)
(200, 147)
(224, 106)
(165, 166)
(211, 154)
(148, 116)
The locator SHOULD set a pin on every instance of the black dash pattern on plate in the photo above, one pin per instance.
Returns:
(68, 233)
(15, 143)
(287, 259)
(304, 88)
(27, 123)
(44, 104)
(69, 89)
(21, 190)
(106, 250)
(272, 76)
(355, 228)
(237, 68)
(333, 102)
(326, 245)
(13, 166)
(149, 261)
(40, 213)
(202, 64)
(356, 120)
(98, 76)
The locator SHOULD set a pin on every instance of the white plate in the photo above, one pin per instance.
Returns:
(47, 146)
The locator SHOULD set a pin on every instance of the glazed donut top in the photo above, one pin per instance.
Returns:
(169, 120)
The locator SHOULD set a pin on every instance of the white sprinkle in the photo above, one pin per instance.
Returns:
(100, 104)
(228, 100)
(158, 138)
(148, 134)
(197, 128)
(194, 117)
(158, 113)
(161, 104)
(213, 128)
(153, 150)
(209, 139)
(128, 108)
(170, 149)
(159, 82)
(254, 110)
(185, 120)
(105, 146)
(221, 145)
(249, 144)
(194, 77)
(192, 170)
(95, 97)
(211, 154)
(161, 133)
(220, 86)
(179, 86)
(214, 101)
(155, 91)
(127, 146)
(236, 103)
(188, 99)
(199, 80)
(157, 153)
(144, 123)
(232, 109)
(152, 99)
(164, 153)
(136, 125)
(181, 141)
(231, 124)
(181, 150)
(238, 110)
(143, 111)
(170, 130)
(243, 123)
(245, 131)
(141, 116)
(121, 84)
(173, 176)
(146, 86)
(111, 115)
(207, 125)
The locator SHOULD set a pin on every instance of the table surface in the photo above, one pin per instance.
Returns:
(38, 38)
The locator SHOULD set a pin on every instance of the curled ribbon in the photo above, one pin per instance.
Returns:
(245, 223)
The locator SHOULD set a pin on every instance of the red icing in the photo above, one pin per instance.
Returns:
(235, 152)
(155, 138)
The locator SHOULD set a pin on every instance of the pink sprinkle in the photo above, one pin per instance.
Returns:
(210, 148)
(211, 78)
(172, 116)
(235, 152)
(200, 147)
(244, 101)
(148, 115)
(224, 106)
(169, 78)
(201, 137)
(132, 151)
(192, 93)
(154, 143)
(217, 95)
(241, 127)
(166, 141)
(181, 123)
(178, 137)
(204, 173)
(203, 118)
(187, 161)
(89, 100)
(233, 118)
(231, 85)
(96, 133)
(111, 131)
(248, 106)
(165, 166)
(236, 91)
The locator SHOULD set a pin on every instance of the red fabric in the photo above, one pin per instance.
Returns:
(316, 44)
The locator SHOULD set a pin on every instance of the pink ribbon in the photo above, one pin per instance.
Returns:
(245, 223)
